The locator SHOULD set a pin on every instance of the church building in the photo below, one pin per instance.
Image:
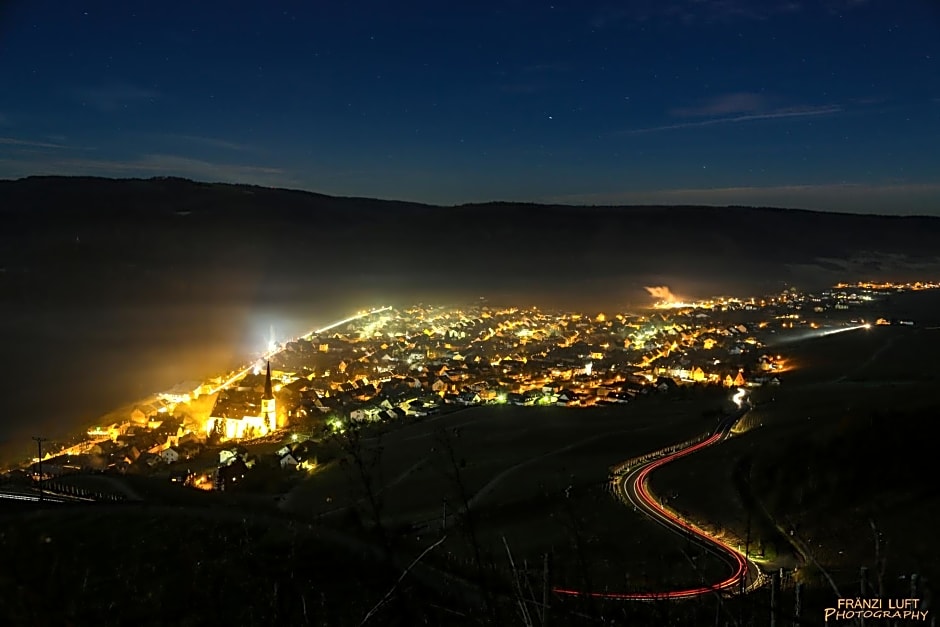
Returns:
(238, 415)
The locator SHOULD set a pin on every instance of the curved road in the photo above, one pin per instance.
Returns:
(634, 486)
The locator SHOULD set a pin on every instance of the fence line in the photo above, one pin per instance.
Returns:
(624, 466)
(82, 494)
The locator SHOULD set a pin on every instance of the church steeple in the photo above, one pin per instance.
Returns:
(268, 411)
(268, 394)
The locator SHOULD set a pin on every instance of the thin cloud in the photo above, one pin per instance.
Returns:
(211, 142)
(753, 117)
(922, 198)
(196, 167)
(711, 12)
(110, 98)
(690, 12)
(870, 100)
(197, 140)
(12, 141)
(727, 104)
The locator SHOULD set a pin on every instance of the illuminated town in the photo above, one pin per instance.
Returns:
(470, 314)
(402, 364)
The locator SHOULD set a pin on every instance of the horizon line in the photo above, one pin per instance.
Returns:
(570, 200)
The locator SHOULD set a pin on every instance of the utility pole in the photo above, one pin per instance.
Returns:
(39, 441)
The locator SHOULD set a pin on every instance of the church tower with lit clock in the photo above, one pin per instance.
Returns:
(268, 410)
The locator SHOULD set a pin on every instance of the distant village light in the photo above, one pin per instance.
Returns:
(554, 367)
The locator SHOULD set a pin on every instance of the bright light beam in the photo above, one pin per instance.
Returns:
(844, 329)
(739, 397)
(273, 351)
(349, 319)
(808, 335)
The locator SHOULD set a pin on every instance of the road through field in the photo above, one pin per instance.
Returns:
(632, 486)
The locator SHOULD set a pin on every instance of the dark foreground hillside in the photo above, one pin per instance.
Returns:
(183, 566)
(173, 566)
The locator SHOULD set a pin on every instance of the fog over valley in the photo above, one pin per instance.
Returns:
(115, 289)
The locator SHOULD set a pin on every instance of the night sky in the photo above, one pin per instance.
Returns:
(829, 104)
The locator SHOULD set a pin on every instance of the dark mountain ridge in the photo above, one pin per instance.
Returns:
(141, 232)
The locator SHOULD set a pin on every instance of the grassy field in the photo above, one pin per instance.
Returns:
(534, 475)
(825, 359)
(156, 565)
(842, 444)
(910, 357)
